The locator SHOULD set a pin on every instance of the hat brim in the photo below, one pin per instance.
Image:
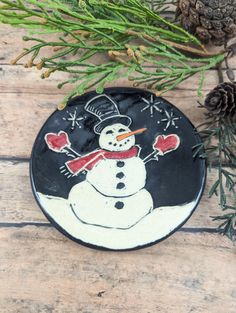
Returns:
(123, 119)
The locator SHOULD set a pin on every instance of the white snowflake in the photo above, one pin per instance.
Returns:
(170, 120)
(73, 119)
(152, 105)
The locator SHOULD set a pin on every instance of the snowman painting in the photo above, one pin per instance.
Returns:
(113, 194)
(115, 189)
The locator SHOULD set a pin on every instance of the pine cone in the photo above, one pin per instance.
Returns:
(221, 101)
(209, 20)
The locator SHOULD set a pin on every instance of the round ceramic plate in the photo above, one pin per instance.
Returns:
(116, 170)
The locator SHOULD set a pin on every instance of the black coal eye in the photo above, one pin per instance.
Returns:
(109, 132)
(121, 130)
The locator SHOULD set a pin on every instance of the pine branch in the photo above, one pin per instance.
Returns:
(138, 43)
(219, 143)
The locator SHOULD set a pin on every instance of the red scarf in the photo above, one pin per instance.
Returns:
(87, 162)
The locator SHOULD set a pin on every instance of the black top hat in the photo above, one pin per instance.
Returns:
(106, 110)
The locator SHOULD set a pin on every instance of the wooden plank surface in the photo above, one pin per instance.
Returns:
(41, 271)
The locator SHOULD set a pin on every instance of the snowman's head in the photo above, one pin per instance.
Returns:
(117, 137)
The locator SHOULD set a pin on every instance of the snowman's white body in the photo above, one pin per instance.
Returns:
(98, 200)
(104, 178)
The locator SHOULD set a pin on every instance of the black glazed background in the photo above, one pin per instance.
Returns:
(175, 179)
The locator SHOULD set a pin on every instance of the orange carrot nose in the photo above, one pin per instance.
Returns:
(126, 135)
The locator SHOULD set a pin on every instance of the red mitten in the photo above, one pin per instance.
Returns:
(57, 142)
(165, 144)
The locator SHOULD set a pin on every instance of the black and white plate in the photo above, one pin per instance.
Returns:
(116, 170)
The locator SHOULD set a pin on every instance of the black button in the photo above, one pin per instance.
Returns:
(120, 186)
(119, 205)
(120, 163)
(120, 175)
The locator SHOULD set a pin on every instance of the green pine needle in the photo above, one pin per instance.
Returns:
(137, 43)
(219, 144)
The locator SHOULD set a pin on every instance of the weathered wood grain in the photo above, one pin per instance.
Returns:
(12, 44)
(18, 205)
(43, 272)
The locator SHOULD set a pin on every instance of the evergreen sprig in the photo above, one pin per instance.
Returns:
(218, 146)
(138, 43)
